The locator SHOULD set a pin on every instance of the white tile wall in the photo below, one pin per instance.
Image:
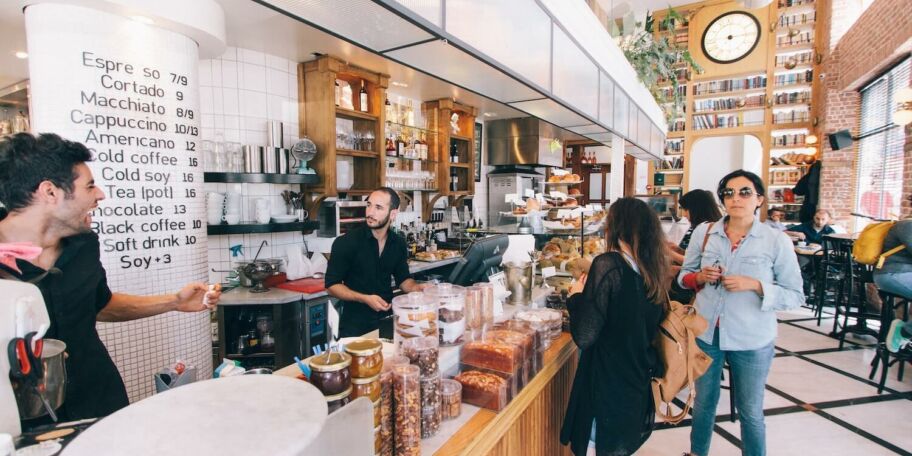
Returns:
(240, 93)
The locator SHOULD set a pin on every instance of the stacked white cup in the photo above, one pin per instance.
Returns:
(232, 208)
(215, 207)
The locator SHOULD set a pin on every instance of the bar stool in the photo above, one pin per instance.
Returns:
(830, 274)
(732, 416)
(884, 357)
(852, 301)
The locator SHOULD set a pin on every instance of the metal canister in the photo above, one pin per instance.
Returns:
(282, 157)
(271, 160)
(253, 159)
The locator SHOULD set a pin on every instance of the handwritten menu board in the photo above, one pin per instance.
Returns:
(131, 96)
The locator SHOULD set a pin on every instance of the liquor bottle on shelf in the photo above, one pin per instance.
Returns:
(390, 146)
(400, 144)
(422, 147)
(363, 98)
(454, 180)
(390, 112)
(454, 153)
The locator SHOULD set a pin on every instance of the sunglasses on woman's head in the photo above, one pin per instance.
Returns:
(744, 192)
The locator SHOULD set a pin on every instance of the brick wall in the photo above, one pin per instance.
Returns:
(860, 43)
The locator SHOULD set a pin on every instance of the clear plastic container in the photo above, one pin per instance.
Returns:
(378, 441)
(539, 335)
(450, 399)
(493, 355)
(423, 352)
(514, 385)
(553, 318)
(407, 416)
(386, 405)
(415, 315)
(484, 389)
(487, 304)
(474, 317)
(395, 360)
(430, 392)
(378, 418)
(451, 315)
(430, 421)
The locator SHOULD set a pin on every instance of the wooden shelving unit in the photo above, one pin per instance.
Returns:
(317, 87)
(767, 60)
(440, 112)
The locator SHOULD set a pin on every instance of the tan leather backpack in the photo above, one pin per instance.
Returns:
(683, 360)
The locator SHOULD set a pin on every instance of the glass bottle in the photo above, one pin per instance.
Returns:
(390, 145)
(362, 101)
(390, 112)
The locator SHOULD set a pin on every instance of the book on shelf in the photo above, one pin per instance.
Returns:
(797, 19)
(674, 146)
(791, 3)
(670, 164)
(709, 121)
(805, 37)
(793, 97)
(806, 76)
(730, 85)
(801, 58)
(677, 125)
(789, 140)
(721, 104)
(791, 116)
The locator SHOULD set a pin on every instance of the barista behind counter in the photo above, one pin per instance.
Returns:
(362, 264)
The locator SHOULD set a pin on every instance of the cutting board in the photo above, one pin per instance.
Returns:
(308, 285)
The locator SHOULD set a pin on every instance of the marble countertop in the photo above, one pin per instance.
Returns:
(243, 296)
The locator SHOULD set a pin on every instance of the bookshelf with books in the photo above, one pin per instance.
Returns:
(769, 94)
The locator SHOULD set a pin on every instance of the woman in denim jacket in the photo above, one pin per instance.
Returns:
(746, 273)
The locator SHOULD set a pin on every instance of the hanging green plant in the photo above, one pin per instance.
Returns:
(658, 61)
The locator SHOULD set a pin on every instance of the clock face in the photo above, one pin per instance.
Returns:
(730, 37)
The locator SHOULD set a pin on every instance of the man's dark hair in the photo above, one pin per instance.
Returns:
(26, 161)
(701, 205)
(774, 209)
(394, 197)
(755, 179)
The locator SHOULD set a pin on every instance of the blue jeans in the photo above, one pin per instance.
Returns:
(749, 369)
(898, 283)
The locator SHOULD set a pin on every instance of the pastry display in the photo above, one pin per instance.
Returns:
(532, 204)
(575, 192)
(437, 255)
(570, 202)
(554, 178)
(492, 355)
(519, 210)
(483, 389)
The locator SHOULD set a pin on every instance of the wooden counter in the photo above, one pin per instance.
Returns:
(530, 424)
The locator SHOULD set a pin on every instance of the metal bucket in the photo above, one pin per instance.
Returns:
(519, 282)
(54, 381)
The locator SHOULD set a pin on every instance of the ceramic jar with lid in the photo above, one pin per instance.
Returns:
(366, 387)
(337, 401)
(330, 373)
(367, 359)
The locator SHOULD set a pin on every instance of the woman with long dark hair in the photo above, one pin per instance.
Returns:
(699, 207)
(746, 271)
(614, 316)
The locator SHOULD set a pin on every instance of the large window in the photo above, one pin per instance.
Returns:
(880, 151)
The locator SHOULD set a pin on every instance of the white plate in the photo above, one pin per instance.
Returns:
(284, 218)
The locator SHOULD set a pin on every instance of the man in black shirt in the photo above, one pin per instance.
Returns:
(48, 194)
(363, 264)
(813, 232)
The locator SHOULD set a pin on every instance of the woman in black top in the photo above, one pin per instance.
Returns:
(614, 321)
(698, 206)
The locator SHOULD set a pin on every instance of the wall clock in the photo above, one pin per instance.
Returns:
(730, 37)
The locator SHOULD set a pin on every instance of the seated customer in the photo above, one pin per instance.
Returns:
(774, 218)
(813, 233)
(896, 276)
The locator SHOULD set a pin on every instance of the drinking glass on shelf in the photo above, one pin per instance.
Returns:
(208, 149)
(221, 157)
(357, 139)
(235, 157)
(368, 138)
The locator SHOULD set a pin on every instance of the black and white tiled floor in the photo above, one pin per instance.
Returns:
(819, 400)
